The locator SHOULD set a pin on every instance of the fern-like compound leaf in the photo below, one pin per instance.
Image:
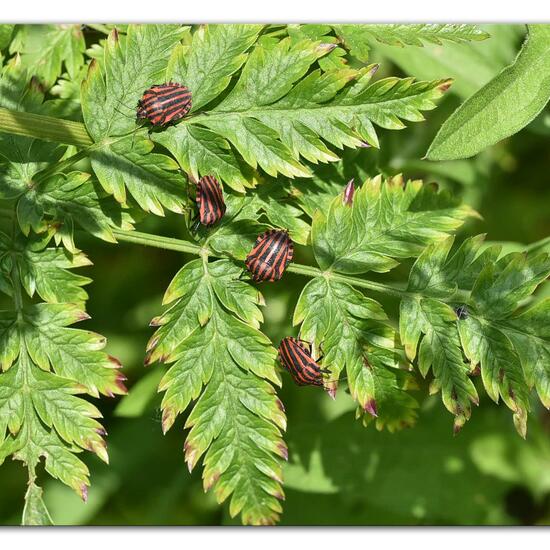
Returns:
(221, 362)
(489, 330)
(388, 220)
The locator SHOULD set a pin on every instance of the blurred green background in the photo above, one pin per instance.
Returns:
(338, 472)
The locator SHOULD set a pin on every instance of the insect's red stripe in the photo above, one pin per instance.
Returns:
(210, 208)
(271, 247)
(175, 105)
(300, 363)
(282, 259)
(259, 249)
(276, 249)
(164, 96)
(175, 115)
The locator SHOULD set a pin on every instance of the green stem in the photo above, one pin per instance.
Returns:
(44, 127)
(148, 239)
(168, 243)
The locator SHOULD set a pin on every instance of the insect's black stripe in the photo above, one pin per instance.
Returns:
(166, 96)
(275, 249)
(282, 260)
(275, 241)
(209, 207)
(310, 369)
(173, 106)
(291, 359)
(300, 363)
(175, 114)
(270, 246)
(259, 249)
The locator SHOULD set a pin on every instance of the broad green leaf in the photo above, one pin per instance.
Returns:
(350, 331)
(502, 107)
(224, 364)
(46, 49)
(388, 220)
(357, 37)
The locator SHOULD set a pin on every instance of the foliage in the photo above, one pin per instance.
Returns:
(284, 117)
(503, 106)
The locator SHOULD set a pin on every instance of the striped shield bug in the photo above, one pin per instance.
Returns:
(210, 202)
(272, 252)
(163, 104)
(297, 360)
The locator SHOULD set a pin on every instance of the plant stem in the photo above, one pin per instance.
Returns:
(44, 127)
(168, 243)
(157, 241)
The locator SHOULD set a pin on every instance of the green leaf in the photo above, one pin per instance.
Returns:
(216, 52)
(502, 107)
(351, 332)
(151, 178)
(357, 37)
(491, 334)
(35, 511)
(470, 65)
(280, 111)
(223, 363)
(46, 270)
(61, 201)
(131, 64)
(274, 200)
(46, 364)
(18, 92)
(6, 32)
(387, 220)
(501, 369)
(529, 333)
(439, 349)
(45, 49)
(238, 230)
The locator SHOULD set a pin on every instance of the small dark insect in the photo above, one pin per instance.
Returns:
(272, 252)
(297, 360)
(163, 104)
(209, 201)
(461, 312)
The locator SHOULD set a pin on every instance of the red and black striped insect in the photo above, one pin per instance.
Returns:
(272, 252)
(296, 358)
(209, 201)
(163, 104)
